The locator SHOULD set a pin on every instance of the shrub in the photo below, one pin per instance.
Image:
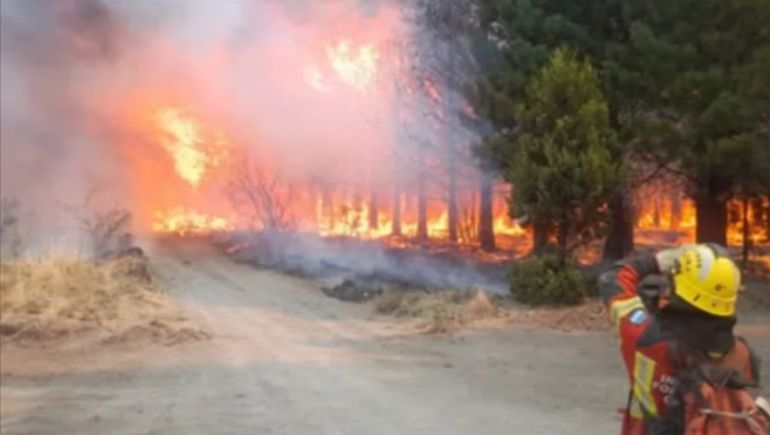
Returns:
(107, 230)
(547, 281)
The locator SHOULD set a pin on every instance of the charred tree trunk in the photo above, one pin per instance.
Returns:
(422, 201)
(562, 239)
(711, 219)
(327, 206)
(620, 239)
(422, 214)
(486, 219)
(767, 221)
(746, 232)
(396, 231)
(766, 218)
(676, 211)
(374, 213)
(452, 198)
(541, 233)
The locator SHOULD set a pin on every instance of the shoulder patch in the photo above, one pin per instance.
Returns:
(638, 316)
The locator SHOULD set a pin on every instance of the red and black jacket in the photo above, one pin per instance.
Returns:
(646, 349)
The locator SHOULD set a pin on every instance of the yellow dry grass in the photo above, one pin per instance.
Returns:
(590, 316)
(451, 311)
(439, 312)
(52, 298)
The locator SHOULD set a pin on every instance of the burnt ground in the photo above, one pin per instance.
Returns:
(357, 270)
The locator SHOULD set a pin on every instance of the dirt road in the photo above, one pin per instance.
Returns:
(284, 359)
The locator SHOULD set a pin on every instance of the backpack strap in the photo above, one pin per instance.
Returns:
(754, 363)
(742, 365)
(739, 368)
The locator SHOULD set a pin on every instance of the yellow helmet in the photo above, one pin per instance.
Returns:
(706, 278)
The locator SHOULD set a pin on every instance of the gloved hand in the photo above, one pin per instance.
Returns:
(668, 257)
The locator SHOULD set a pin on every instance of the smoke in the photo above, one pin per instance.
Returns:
(81, 78)
(51, 53)
(340, 259)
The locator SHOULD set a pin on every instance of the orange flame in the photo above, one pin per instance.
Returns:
(356, 66)
(668, 217)
(183, 142)
(185, 222)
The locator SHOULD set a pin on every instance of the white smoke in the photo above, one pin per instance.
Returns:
(70, 67)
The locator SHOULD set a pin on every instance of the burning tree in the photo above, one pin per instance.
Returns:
(450, 44)
(264, 198)
(706, 66)
(686, 85)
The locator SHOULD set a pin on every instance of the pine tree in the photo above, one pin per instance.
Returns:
(563, 170)
(525, 31)
(705, 64)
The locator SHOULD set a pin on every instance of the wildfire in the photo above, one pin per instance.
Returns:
(667, 217)
(505, 225)
(352, 219)
(355, 65)
(185, 222)
(340, 215)
(183, 142)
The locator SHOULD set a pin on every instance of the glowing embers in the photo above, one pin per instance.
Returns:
(184, 222)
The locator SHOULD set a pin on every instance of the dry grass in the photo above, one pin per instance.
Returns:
(442, 312)
(439, 312)
(47, 299)
(590, 316)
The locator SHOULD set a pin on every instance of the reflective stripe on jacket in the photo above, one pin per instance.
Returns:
(646, 350)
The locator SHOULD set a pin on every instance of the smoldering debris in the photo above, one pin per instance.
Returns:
(354, 290)
(354, 269)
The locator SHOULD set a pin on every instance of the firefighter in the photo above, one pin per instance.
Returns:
(690, 326)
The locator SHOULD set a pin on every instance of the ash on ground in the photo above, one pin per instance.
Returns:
(365, 288)
(358, 270)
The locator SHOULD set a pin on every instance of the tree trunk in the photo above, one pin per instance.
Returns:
(422, 201)
(676, 211)
(562, 234)
(766, 214)
(374, 213)
(620, 239)
(327, 206)
(486, 219)
(746, 233)
(452, 199)
(396, 230)
(711, 219)
(541, 232)
(562, 240)
(422, 210)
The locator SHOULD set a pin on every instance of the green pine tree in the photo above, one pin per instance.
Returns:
(705, 66)
(563, 170)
